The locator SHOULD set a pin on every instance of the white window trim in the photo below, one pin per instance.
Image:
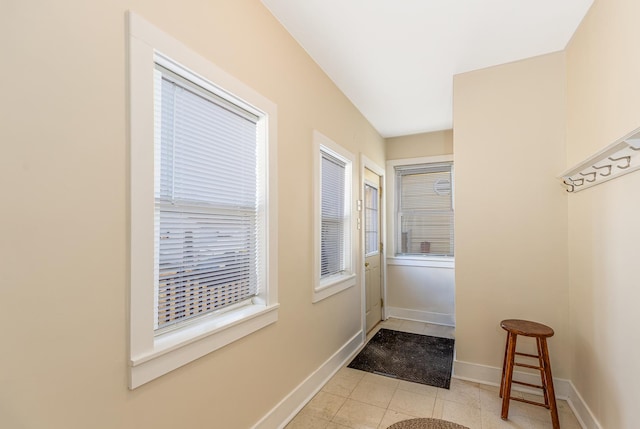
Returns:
(413, 260)
(324, 288)
(154, 355)
(422, 261)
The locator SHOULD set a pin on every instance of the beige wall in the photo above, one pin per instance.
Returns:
(421, 293)
(603, 88)
(418, 292)
(417, 145)
(63, 124)
(511, 212)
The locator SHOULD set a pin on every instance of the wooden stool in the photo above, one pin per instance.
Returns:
(540, 332)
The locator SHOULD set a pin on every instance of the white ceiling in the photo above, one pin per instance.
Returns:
(395, 59)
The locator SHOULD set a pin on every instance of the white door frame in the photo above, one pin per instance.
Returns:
(367, 163)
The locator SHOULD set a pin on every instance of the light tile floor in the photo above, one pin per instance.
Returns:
(355, 399)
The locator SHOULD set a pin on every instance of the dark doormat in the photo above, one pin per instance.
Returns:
(411, 357)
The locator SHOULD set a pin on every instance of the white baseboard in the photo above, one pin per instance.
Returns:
(581, 409)
(421, 316)
(286, 409)
(564, 388)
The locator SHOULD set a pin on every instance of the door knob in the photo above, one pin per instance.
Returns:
(366, 264)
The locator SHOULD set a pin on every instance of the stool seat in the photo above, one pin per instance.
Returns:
(526, 328)
(540, 332)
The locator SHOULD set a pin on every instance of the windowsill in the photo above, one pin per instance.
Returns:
(332, 286)
(423, 261)
(176, 348)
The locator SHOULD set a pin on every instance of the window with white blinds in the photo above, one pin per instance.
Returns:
(206, 201)
(424, 209)
(371, 224)
(333, 226)
(203, 205)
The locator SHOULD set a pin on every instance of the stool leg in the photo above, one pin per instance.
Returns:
(504, 364)
(542, 377)
(549, 384)
(506, 393)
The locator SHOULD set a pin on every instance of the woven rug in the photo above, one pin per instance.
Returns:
(426, 424)
(406, 356)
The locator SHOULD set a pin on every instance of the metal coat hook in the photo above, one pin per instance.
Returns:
(617, 159)
(604, 166)
(569, 184)
(628, 158)
(593, 179)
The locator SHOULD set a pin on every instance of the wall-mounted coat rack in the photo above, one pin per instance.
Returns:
(617, 159)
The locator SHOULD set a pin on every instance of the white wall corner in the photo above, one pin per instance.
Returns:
(291, 404)
(565, 389)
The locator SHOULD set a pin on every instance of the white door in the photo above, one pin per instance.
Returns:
(373, 257)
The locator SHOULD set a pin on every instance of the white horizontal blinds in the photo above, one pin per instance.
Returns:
(370, 219)
(205, 202)
(333, 216)
(425, 209)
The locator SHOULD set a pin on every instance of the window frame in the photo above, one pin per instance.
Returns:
(326, 287)
(392, 214)
(154, 354)
(364, 216)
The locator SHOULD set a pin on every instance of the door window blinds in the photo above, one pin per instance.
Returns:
(370, 219)
(424, 209)
(332, 258)
(206, 210)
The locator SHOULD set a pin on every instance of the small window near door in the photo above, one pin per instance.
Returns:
(371, 226)
(334, 216)
(334, 250)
